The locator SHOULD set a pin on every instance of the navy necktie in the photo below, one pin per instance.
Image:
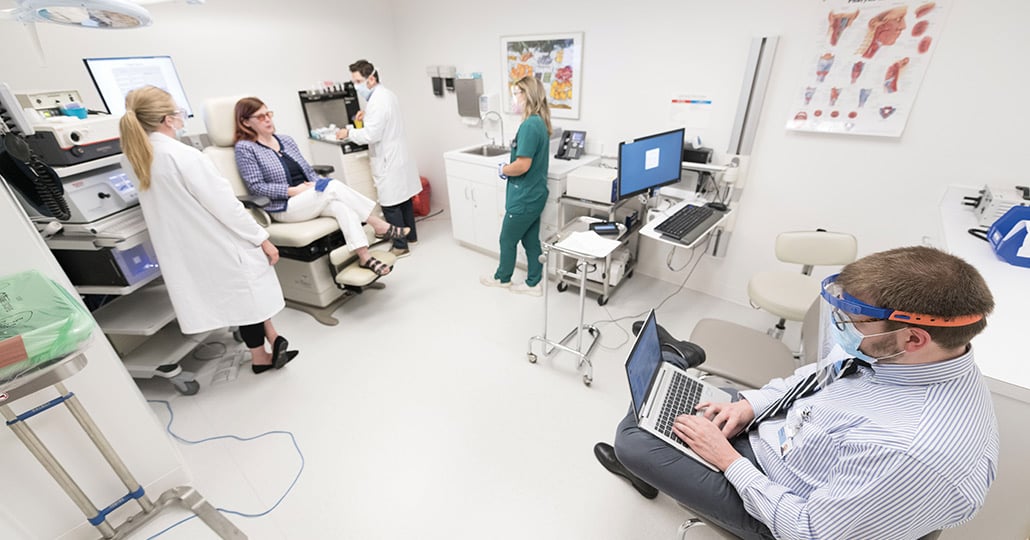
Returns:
(806, 387)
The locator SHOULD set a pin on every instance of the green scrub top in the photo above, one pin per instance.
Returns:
(528, 193)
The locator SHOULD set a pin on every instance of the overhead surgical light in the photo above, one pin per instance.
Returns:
(105, 14)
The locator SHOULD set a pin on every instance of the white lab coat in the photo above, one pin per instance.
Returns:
(393, 168)
(207, 244)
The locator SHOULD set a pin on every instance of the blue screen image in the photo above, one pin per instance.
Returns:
(650, 162)
(643, 361)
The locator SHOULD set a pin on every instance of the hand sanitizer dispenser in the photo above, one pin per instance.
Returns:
(487, 103)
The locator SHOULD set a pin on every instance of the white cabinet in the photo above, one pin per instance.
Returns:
(477, 195)
(476, 198)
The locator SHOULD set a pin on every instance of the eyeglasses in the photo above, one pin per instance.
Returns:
(841, 319)
(267, 115)
(181, 113)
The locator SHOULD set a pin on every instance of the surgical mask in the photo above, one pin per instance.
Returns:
(517, 106)
(363, 90)
(849, 339)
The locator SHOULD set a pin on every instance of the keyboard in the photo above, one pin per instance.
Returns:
(688, 223)
(684, 394)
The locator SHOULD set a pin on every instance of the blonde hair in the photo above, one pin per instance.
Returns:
(536, 99)
(145, 109)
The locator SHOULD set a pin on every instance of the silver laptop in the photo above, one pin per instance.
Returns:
(662, 391)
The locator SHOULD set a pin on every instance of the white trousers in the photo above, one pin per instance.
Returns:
(338, 201)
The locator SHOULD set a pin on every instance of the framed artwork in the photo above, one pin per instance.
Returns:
(555, 59)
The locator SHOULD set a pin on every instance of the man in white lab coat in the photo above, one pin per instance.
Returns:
(393, 169)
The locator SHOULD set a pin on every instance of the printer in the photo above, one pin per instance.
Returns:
(593, 184)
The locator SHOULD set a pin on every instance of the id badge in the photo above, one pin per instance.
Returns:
(786, 441)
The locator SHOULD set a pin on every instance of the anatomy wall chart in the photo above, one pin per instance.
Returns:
(868, 62)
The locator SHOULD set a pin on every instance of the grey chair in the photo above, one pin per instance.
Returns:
(747, 358)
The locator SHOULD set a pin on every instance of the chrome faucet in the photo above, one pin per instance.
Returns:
(486, 133)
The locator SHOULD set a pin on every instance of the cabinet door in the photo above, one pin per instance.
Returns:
(488, 217)
(463, 212)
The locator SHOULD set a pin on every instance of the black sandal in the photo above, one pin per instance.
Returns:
(394, 232)
(375, 265)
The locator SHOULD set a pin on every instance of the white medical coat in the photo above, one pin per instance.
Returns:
(393, 168)
(207, 244)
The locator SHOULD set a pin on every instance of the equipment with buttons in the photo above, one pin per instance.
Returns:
(60, 129)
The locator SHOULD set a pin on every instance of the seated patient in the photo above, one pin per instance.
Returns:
(898, 442)
(272, 166)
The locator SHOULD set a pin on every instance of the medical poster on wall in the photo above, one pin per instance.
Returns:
(867, 65)
(555, 59)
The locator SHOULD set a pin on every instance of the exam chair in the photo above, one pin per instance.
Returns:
(317, 271)
(745, 358)
(787, 294)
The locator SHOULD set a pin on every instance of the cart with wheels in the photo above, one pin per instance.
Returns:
(584, 262)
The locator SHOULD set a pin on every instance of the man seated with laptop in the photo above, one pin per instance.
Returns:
(892, 434)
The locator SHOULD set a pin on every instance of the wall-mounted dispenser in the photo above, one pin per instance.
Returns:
(448, 73)
(434, 73)
(467, 92)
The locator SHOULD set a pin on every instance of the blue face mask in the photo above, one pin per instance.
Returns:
(850, 339)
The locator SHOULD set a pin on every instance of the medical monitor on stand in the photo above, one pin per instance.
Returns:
(650, 162)
(116, 77)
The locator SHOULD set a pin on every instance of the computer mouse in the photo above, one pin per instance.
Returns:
(717, 206)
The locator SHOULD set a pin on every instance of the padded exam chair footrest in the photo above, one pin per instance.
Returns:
(353, 275)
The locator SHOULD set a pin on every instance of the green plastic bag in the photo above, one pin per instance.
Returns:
(39, 322)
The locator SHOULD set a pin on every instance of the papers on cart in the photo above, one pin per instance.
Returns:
(588, 243)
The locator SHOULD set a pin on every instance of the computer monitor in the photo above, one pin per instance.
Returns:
(650, 162)
(116, 77)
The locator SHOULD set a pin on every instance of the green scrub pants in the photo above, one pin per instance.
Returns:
(524, 228)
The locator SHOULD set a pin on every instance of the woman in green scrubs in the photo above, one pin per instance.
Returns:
(526, 192)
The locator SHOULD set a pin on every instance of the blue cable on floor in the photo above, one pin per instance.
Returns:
(168, 428)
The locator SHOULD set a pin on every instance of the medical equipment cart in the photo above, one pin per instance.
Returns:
(53, 373)
(604, 287)
(583, 261)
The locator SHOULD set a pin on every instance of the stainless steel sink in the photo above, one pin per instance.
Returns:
(487, 150)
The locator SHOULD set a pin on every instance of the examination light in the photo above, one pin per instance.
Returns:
(105, 14)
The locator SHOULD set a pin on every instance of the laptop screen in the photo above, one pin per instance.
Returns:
(643, 362)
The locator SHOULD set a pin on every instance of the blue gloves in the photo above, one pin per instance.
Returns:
(321, 184)
(500, 173)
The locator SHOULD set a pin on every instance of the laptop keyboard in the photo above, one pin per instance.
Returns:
(684, 394)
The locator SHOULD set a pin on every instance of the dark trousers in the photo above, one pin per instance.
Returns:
(253, 334)
(703, 491)
(402, 215)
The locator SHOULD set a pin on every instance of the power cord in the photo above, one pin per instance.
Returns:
(168, 428)
(627, 335)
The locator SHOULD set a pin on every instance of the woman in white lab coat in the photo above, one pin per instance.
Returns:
(215, 259)
(393, 168)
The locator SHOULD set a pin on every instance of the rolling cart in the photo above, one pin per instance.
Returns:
(584, 261)
(53, 374)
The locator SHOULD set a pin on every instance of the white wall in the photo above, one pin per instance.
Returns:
(967, 124)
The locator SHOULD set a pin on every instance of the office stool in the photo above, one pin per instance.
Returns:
(788, 295)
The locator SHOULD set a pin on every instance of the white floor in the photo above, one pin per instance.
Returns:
(420, 417)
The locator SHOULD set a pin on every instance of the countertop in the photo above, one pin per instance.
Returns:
(999, 353)
(557, 168)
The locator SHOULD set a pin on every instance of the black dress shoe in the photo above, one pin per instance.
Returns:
(279, 358)
(606, 455)
(691, 353)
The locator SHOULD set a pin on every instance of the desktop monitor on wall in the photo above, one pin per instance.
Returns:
(650, 162)
(116, 77)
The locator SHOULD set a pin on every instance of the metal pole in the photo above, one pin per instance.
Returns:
(102, 444)
(61, 476)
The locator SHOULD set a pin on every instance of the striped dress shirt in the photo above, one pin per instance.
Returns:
(263, 171)
(893, 452)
